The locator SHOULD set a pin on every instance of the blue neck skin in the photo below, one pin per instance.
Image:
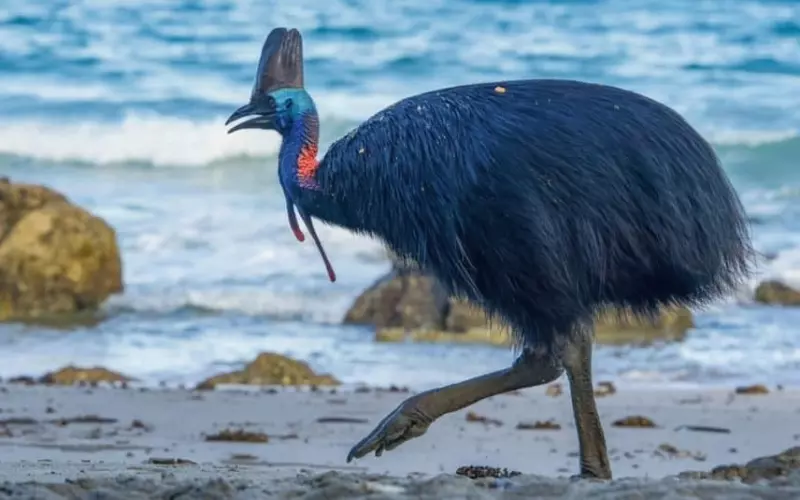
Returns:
(299, 128)
(289, 156)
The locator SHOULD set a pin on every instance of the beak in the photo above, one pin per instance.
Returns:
(264, 116)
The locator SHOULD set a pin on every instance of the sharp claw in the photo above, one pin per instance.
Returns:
(366, 445)
(354, 454)
(393, 431)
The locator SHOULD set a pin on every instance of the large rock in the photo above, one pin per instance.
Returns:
(403, 298)
(759, 469)
(777, 293)
(617, 328)
(55, 257)
(271, 369)
(407, 305)
(71, 375)
(487, 335)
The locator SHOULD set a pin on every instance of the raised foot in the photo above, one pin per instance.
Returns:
(406, 422)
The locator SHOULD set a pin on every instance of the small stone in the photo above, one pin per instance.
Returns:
(634, 421)
(170, 461)
(674, 452)
(341, 420)
(239, 435)
(554, 390)
(538, 425)
(752, 389)
(474, 417)
(481, 471)
(84, 419)
(704, 428)
(605, 389)
(668, 448)
(138, 424)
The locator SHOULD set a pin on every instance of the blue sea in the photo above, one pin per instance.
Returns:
(121, 105)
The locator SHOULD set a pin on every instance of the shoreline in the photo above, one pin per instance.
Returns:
(106, 380)
(351, 354)
(55, 434)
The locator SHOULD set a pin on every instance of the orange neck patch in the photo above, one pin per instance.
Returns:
(307, 163)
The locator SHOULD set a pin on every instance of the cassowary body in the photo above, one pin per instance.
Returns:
(540, 200)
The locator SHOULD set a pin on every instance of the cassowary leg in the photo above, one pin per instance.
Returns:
(412, 418)
(577, 358)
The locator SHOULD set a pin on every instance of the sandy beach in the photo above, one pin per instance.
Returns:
(84, 442)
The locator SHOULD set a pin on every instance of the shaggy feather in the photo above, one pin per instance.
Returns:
(543, 202)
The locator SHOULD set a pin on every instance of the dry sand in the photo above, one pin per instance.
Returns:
(46, 455)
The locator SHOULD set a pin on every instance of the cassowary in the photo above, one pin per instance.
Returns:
(541, 201)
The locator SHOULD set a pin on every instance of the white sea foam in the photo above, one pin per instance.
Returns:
(155, 140)
(159, 140)
(189, 357)
(752, 138)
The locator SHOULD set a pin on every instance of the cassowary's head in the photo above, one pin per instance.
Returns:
(279, 102)
(278, 99)
(277, 110)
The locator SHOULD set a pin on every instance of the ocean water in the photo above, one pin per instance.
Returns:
(121, 106)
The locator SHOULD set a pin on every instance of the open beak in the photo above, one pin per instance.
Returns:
(263, 117)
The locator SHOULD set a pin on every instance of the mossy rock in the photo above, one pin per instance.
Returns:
(777, 293)
(489, 336)
(615, 328)
(55, 257)
(610, 329)
(71, 375)
(405, 299)
(464, 317)
(271, 369)
(763, 468)
(469, 325)
(466, 323)
(406, 305)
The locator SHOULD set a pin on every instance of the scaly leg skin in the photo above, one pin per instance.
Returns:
(413, 417)
(577, 359)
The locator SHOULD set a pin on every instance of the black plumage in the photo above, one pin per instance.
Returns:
(543, 200)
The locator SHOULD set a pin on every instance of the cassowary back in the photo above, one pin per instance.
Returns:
(543, 200)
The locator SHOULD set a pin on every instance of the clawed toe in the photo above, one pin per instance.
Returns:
(403, 424)
(381, 440)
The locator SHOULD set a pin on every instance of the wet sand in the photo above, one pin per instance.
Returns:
(131, 443)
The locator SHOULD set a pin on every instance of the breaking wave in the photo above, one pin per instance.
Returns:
(169, 141)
